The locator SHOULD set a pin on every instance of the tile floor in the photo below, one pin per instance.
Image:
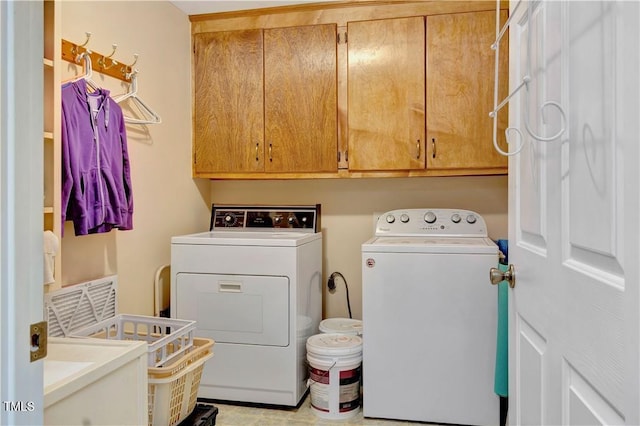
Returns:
(240, 415)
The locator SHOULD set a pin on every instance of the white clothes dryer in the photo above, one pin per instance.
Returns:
(253, 284)
(429, 318)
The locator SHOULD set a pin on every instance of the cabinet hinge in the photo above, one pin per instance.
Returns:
(38, 340)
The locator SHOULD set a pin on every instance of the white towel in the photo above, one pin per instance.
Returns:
(51, 248)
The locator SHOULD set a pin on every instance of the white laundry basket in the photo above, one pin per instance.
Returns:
(335, 362)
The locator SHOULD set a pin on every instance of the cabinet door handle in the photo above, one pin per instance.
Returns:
(257, 146)
(418, 149)
(433, 145)
(270, 150)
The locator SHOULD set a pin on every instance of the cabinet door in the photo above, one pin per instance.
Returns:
(228, 102)
(301, 130)
(460, 74)
(386, 90)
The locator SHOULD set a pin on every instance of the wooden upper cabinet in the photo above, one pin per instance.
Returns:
(460, 91)
(228, 102)
(266, 101)
(386, 94)
(406, 90)
(300, 105)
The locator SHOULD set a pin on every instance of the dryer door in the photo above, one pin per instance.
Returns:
(246, 309)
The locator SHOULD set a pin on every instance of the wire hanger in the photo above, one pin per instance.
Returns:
(148, 114)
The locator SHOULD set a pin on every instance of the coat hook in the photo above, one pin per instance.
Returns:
(127, 70)
(101, 61)
(88, 34)
(74, 51)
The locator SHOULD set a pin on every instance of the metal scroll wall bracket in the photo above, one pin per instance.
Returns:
(524, 83)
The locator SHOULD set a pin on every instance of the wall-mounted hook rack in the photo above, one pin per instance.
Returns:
(71, 51)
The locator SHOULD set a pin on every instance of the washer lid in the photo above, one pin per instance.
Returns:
(444, 245)
(271, 239)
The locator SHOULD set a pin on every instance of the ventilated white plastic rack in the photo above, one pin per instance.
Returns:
(89, 309)
(81, 305)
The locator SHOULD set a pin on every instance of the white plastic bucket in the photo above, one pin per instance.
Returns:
(334, 374)
(341, 326)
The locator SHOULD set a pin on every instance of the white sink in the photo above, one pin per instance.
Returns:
(95, 381)
(59, 371)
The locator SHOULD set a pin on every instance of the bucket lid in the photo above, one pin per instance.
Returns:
(341, 325)
(334, 344)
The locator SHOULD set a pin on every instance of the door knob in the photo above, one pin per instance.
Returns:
(496, 276)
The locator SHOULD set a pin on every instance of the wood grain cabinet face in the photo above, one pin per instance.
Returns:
(407, 92)
(266, 100)
(386, 94)
(228, 102)
(460, 70)
(393, 63)
(300, 109)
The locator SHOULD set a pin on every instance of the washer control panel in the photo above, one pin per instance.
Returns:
(437, 222)
(257, 218)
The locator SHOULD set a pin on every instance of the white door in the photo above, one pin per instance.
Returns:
(21, 220)
(573, 215)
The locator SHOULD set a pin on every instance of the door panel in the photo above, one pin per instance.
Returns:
(243, 309)
(593, 188)
(458, 59)
(574, 215)
(386, 94)
(531, 352)
(228, 124)
(532, 165)
(301, 104)
(585, 405)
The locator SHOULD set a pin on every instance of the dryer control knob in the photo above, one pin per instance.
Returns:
(390, 218)
(471, 219)
(230, 219)
(404, 218)
(455, 218)
(430, 217)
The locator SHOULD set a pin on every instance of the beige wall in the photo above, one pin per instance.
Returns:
(166, 200)
(348, 207)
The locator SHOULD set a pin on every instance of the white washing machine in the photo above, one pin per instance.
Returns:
(429, 318)
(253, 283)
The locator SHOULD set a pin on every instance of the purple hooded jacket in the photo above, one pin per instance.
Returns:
(96, 178)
